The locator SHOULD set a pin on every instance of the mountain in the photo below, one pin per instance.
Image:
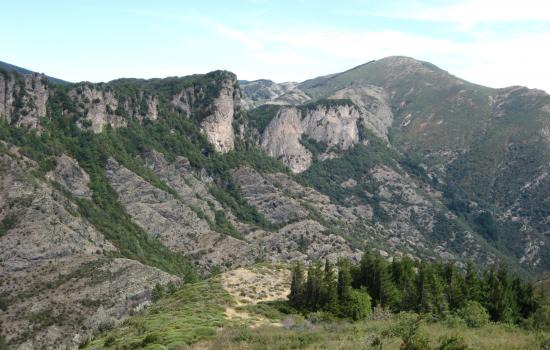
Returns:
(10, 67)
(111, 189)
(487, 150)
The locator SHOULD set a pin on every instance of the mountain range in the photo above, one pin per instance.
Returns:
(109, 189)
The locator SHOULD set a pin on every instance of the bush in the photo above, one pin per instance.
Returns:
(454, 321)
(474, 314)
(357, 306)
(540, 319)
(452, 343)
(412, 338)
(320, 317)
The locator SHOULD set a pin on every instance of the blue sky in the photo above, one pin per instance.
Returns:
(490, 42)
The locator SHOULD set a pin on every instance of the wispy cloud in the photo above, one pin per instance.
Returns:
(496, 62)
(470, 13)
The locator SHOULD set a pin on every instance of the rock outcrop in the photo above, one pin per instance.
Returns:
(374, 104)
(335, 125)
(281, 140)
(259, 92)
(71, 176)
(23, 99)
(59, 283)
(218, 126)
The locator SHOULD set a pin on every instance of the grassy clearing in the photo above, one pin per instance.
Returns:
(372, 334)
(204, 315)
(193, 313)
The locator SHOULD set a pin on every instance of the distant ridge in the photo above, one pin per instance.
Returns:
(20, 70)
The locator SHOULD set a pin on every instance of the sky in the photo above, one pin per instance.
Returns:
(496, 43)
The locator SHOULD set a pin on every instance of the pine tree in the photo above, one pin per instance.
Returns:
(403, 274)
(472, 287)
(344, 280)
(330, 289)
(389, 295)
(454, 286)
(313, 287)
(296, 295)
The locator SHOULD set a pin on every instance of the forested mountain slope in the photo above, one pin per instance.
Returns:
(164, 181)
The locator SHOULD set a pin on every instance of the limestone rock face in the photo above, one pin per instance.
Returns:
(98, 107)
(334, 126)
(23, 99)
(71, 176)
(218, 126)
(158, 212)
(374, 104)
(259, 92)
(101, 106)
(268, 199)
(58, 282)
(281, 140)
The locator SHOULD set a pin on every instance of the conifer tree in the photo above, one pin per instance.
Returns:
(330, 290)
(296, 295)
(313, 287)
(344, 280)
(389, 295)
(472, 287)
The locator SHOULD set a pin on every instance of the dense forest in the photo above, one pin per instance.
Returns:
(436, 290)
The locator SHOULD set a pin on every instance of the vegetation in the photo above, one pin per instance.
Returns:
(179, 318)
(173, 135)
(434, 289)
(400, 332)
(7, 223)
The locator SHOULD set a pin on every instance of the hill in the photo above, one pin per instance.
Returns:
(167, 181)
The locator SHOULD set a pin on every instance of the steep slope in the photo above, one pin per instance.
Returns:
(161, 180)
(49, 297)
(131, 180)
(485, 149)
(259, 92)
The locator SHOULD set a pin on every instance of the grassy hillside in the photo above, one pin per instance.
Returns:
(215, 315)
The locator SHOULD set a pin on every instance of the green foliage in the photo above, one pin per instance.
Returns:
(176, 320)
(326, 176)
(326, 103)
(223, 225)
(259, 118)
(357, 306)
(439, 291)
(374, 274)
(539, 320)
(323, 292)
(412, 338)
(474, 314)
(452, 343)
(7, 223)
(316, 148)
(3, 343)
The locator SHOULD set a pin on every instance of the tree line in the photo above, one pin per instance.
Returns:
(436, 289)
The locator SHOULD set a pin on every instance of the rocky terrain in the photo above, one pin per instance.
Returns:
(108, 190)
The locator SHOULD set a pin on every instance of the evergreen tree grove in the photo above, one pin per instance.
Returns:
(432, 288)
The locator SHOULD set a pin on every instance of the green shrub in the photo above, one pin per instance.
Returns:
(412, 338)
(474, 314)
(452, 343)
(357, 306)
(320, 317)
(454, 321)
(540, 319)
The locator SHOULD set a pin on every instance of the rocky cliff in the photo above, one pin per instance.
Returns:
(23, 98)
(134, 183)
(61, 279)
